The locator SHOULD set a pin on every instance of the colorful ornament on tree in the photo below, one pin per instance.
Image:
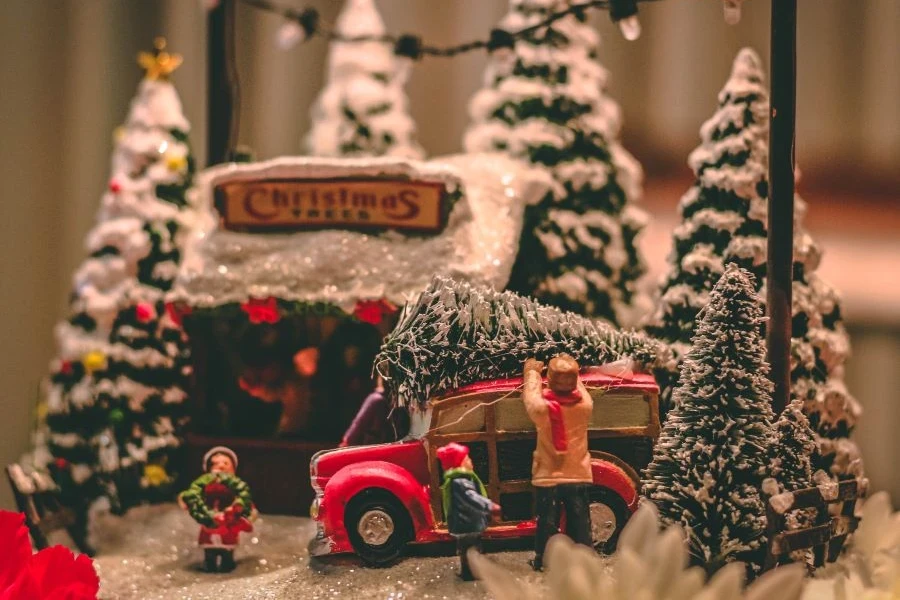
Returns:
(116, 416)
(144, 312)
(176, 162)
(65, 367)
(114, 186)
(94, 361)
(261, 311)
(155, 475)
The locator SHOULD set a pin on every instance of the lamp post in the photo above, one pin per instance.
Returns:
(223, 101)
(783, 60)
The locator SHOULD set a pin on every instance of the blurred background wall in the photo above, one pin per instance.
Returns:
(67, 73)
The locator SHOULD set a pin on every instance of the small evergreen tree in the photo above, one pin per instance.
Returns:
(455, 334)
(792, 451)
(363, 109)
(722, 209)
(712, 455)
(115, 394)
(547, 106)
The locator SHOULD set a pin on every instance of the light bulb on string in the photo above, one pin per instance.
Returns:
(289, 35)
(630, 28)
(624, 14)
(732, 10)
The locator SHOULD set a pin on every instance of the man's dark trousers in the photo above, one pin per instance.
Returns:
(574, 497)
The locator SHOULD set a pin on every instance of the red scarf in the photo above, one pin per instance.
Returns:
(557, 427)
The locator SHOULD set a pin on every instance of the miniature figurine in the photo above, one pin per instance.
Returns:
(466, 505)
(376, 422)
(561, 468)
(220, 502)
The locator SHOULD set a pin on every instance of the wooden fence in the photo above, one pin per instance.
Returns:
(827, 534)
(36, 496)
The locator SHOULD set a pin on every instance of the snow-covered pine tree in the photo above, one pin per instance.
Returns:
(363, 109)
(791, 460)
(723, 219)
(115, 393)
(546, 105)
(726, 202)
(455, 334)
(712, 454)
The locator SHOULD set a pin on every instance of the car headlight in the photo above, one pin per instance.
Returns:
(314, 508)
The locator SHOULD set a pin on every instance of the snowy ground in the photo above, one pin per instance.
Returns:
(151, 554)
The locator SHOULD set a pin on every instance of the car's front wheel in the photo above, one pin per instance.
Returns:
(609, 513)
(378, 526)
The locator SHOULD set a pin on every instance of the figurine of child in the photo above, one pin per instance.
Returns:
(221, 503)
(466, 505)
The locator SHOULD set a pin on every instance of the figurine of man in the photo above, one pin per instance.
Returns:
(466, 505)
(561, 467)
(221, 503)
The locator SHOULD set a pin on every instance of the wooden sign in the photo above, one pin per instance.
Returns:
(304, 204)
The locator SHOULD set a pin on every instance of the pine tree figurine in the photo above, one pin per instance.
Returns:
(793, 449)
(712, 455)
(115, 394)
(363, 109)
(544, 102)
(724, 219)
(722, 209)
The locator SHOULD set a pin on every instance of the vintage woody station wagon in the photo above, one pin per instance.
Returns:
(373, 500)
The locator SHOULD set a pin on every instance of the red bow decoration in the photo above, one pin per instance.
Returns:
(51, 574)
(261, 311)
(177, 312)
(373, 311)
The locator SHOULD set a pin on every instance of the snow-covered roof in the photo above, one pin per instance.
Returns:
(340, 267)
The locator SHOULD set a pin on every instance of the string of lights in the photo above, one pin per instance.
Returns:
(303, 24)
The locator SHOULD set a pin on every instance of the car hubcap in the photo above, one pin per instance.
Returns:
(375, 527)
(603, 523)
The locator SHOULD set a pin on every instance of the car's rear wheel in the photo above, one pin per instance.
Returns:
(609, 513)
(378, 526)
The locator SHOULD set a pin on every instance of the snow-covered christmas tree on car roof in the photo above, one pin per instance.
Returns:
(712, 455)
(363, 109)
(114, 397)
(724, 219)
(455, 334)
(545, 104)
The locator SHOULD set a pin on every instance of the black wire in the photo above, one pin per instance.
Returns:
(314, 28)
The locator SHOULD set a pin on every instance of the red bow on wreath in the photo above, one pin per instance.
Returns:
(51, 573)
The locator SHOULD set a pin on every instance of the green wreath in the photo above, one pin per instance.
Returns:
(197, 508)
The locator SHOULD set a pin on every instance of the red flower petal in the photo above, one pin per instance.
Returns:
(15, 548)
(23, 588)
(61, 576)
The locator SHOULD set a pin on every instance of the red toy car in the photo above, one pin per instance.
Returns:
(373, 500)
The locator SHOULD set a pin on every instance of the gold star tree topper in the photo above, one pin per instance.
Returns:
(159, 64)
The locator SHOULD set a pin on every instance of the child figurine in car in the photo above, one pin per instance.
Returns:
(466, 505)
(221, 503)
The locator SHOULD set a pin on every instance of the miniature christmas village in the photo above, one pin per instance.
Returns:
(460, 353)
